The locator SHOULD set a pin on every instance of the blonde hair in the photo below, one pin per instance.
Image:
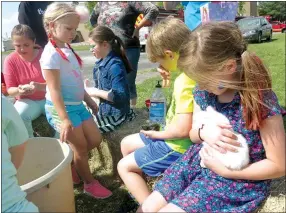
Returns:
(206, 54)
(55, 11)
(168, 34)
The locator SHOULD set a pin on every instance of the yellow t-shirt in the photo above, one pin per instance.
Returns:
(182, 103)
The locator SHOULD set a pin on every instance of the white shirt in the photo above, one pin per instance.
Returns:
(72, 87)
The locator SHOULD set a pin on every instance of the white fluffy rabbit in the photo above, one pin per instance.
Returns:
(232, 160)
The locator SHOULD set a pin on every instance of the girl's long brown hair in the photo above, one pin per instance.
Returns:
(206, 53)
(101, 34)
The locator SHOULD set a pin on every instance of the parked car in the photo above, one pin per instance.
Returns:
(278, 26)
(255, 29)
(237, 18)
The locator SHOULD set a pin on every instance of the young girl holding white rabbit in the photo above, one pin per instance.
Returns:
(65, 110)
(236, 83)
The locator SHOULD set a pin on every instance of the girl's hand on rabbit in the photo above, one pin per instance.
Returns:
(220, 137)
(213, 163)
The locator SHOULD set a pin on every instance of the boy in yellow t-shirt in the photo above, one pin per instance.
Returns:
(152, 152)
(182, 103)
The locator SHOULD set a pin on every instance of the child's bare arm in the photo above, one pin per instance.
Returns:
(53, 83)
(97, 93)
(178, 129)
(194, 131)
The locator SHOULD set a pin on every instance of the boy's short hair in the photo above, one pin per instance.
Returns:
(168, 34)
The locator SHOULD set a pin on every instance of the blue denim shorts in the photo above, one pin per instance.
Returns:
(76, 113)
(155, 157)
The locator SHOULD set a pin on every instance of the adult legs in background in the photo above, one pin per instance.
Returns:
(133, 55)
(29, 110)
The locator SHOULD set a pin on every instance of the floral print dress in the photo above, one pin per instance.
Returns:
(196, 189)
(121, 18)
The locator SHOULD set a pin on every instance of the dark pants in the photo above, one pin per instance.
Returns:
(133, 55)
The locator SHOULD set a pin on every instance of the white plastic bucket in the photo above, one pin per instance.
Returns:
(45, 175)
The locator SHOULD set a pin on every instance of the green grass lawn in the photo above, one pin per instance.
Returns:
(81, 48)
(103, 161)
(76, 48)
(7, 52)
(273, 55)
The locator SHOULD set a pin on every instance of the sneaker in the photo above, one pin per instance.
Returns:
(75, 178)
(96, 190)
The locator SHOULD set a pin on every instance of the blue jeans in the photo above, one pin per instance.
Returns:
(133, 55)
(29, 110)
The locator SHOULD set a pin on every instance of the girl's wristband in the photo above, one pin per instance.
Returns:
(199, 132)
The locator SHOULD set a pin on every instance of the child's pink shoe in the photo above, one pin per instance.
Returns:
(75, 177)
(96, 190)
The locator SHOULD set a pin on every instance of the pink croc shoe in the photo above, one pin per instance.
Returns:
(96, 190)
(75, 178)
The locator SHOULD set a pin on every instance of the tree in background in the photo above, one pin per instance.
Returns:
(90, 5)
(241, 9)
(160, 5)
(275, 9)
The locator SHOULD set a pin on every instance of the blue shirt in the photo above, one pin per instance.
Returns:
(109, 74)
(192, 13)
